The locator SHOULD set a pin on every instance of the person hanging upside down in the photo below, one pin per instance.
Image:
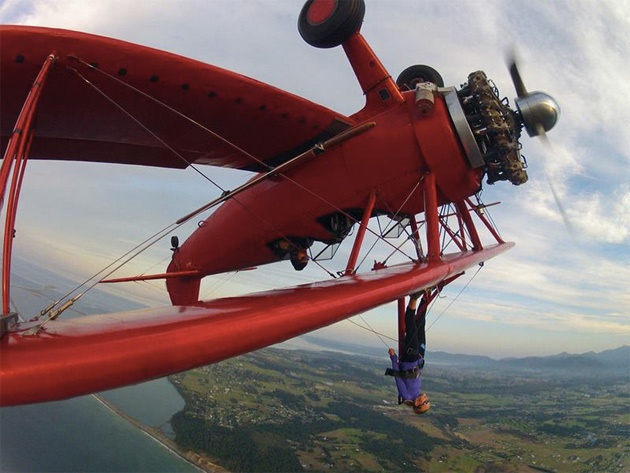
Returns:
(407, 370)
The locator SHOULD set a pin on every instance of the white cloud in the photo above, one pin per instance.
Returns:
(604, 217)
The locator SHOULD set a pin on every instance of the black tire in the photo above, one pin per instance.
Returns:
(174, 242)
(329, 23)
(408, 78)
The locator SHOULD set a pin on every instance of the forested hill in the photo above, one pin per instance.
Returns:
(278, 410)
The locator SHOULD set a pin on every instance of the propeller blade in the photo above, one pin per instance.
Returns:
(563, 213)
(542, 134)
(519, 85)
(539, 113)
(538, 110)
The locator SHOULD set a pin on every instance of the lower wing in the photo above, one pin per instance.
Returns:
(94, 353)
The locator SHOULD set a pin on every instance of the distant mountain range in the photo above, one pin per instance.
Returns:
(606, 364)
(609, 363)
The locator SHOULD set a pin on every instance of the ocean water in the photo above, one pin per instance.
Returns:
(81, 434)
(152, 403)
(78, 435)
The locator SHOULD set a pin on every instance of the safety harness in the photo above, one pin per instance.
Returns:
(405, 374)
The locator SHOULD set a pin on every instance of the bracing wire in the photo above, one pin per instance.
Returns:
(170, 148)
(145, 128)
(486, 210)
(221, 282)
(381, 336)
(455, 298)
(175, 111)
(107, 270)
(229, 143)
(125, 258)
(396, 249)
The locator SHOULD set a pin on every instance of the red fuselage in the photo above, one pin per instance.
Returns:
(388, 160)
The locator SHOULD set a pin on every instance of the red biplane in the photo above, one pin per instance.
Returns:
(416, 147)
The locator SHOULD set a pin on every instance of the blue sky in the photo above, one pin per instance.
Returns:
(553, 292)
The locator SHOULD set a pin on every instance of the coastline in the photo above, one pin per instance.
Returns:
(200, 462)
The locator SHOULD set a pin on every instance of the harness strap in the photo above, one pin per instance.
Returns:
(408, 374)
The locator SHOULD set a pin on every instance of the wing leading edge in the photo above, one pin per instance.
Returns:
(107, 100)
(99, 352)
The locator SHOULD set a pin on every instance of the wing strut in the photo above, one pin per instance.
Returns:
(479, 211)
(416, 237)
(465, 216)
(431, 215)
(358, 241)
(15, 158)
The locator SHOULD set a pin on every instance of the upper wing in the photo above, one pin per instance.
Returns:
(94, 353)
(111, 101)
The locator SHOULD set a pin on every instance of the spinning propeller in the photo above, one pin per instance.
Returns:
(539, 112)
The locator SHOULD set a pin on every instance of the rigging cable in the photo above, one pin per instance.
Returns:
(182, 158)
(454, 299)
(481, 208)
(224, 140)
(381, 336)
(103, 273)
(381, 237)
(138, 249)
(168, 107)
(144, 127)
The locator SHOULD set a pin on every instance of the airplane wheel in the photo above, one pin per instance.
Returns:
(329, 23)
(174, 243)
(419, 73)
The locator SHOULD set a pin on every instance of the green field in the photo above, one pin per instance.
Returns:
(280, 410)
